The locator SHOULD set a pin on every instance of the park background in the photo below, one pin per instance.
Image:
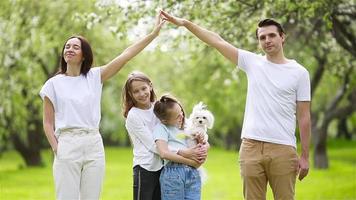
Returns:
(320, 35)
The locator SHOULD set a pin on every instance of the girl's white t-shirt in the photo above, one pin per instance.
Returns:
(76, 100)
(140, 125)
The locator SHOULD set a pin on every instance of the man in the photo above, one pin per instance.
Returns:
(278, 93)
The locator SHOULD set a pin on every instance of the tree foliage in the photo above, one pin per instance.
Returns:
(320, 36)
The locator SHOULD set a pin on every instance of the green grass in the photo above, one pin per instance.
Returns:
(224, 183)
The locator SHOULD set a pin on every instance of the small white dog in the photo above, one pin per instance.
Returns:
(199, 121)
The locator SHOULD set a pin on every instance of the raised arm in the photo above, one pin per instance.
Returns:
(165, 153)
(212, 39)
(48, 123)
(110, 69)
(303, 115)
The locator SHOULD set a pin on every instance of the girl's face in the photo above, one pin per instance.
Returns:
(73, 51)
(141, 94)
(175, 116)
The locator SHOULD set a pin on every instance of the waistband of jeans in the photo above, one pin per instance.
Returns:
(175, 164)
(76, 130)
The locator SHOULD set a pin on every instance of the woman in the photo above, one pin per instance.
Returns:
(71, 116)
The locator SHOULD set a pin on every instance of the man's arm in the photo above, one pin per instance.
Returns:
(212, 39)
(303, 116)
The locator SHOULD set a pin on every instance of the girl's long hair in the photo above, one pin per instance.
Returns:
(87, 55)
(127, 100)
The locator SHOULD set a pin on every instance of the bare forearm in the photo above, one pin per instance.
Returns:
(115, 65)
(168, 155)
(50, 136)
(304, 128)
(214, 40)
(203, 34)
(136, 48)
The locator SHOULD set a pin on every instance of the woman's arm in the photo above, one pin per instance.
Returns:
(48, 123)
(110, 69)
(165, 153)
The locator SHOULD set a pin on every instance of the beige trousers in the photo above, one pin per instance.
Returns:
(264, 162)
(79, 165)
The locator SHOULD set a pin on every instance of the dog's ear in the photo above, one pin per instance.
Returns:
(211, 119)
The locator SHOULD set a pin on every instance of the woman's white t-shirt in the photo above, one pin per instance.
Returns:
(76, 100)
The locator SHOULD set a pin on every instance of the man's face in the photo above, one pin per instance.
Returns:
(270, 40)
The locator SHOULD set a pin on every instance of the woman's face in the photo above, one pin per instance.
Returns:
(175, 116)
(73, 51)
(141, 94)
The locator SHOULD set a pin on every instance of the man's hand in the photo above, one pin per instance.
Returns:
(303, 168)
(174, 20)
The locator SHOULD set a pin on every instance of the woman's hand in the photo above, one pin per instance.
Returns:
(160, 20)
(55, 148)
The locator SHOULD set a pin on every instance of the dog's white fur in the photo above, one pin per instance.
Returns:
(199, 121)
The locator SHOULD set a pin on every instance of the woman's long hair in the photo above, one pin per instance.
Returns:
(87, 55)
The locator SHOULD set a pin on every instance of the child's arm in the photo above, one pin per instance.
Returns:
(165, 153)
(196, 153)
(136, 129)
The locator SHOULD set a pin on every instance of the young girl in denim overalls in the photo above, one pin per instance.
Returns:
(179, 178)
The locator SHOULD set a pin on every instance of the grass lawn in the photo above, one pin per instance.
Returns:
(224, 183)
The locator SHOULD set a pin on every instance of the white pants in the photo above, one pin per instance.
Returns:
(79, 165)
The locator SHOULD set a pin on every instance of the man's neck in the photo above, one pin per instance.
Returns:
(278, 58)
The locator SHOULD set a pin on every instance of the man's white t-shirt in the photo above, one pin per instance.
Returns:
(76, 100)
(272, 93)
(140, 125)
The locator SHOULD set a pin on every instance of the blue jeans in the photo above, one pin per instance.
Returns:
(180, 182)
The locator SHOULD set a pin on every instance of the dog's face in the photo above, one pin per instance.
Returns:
(202, 118)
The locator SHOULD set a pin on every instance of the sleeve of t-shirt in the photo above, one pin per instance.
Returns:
(48, 91)
(244, 59)
(160, 133)
(303, 88)
(95, 76)
(136, 128)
